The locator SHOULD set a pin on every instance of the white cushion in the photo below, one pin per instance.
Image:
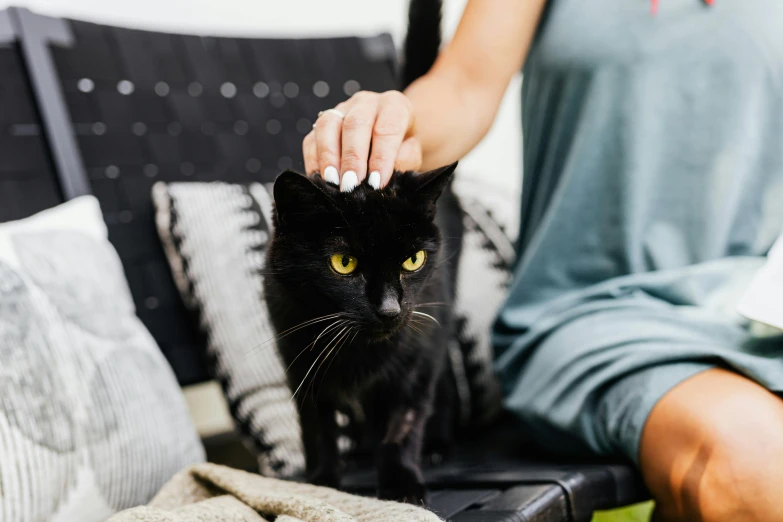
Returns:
(92, 420)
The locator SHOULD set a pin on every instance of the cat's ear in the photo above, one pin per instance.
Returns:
(432, 183)
(429, 187)
(297, 197)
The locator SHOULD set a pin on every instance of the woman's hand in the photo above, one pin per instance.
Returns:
(367, 136)
(441, 116)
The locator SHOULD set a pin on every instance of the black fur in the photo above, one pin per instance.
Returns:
(391, 366)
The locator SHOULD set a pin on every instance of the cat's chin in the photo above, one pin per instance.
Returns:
(382, 331)
(379, 335)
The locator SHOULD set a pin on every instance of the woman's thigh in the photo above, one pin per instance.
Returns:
(587, 385)
(712, 450)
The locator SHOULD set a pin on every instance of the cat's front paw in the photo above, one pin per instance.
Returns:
(410, 493)
(329, 478)
(403, 482)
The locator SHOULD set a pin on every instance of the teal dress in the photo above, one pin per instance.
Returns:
(653, 188)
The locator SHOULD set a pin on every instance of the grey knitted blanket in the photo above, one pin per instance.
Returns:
(208, 492)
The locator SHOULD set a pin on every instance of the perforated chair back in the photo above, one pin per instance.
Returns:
(147, 106)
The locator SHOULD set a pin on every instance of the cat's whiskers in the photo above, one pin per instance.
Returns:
(412, 327)
(356, 332)
(431, 304)
(340, 340)
(314, 363)
(415, 320)
(418, 335)
(342, 322)
(294, 329)
(335, 324)
(307, 323)
(444, 260)
(333, 342)
(422, 314)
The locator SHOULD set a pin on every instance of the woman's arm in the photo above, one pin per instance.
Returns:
(455, 104)
(441, 116)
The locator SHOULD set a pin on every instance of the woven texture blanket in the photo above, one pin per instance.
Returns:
(208, 492)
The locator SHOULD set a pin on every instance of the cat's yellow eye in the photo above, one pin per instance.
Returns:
(343, 264)
(415, 262)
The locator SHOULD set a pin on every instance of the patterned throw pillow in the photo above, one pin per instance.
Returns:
(92, 420)
(483, 278)
(215, 235)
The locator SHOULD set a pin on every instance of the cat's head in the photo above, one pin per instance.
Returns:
(366, 253)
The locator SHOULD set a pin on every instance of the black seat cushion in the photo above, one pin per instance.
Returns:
(496, 473)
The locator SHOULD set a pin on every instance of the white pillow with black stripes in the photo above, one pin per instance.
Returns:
(214, 236)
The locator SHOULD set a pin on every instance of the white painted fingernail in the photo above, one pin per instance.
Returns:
(374, 180)
(350, 180)
(331, 175)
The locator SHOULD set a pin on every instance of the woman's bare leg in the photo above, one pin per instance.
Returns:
(712, 450)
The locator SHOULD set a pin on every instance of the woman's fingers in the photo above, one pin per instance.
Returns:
(409, 157)
(310, 153)
(328, 129)
(357, 136)
(366, 137)
(391, 125)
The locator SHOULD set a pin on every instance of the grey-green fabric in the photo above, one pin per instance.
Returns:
(653, 188)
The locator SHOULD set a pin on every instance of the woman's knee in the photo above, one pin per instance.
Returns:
(728, 479)
(711, 451)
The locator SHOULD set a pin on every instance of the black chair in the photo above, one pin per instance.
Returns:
(122, 109)
(145, 106)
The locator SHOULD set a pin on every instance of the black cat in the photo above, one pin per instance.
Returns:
(357, 288)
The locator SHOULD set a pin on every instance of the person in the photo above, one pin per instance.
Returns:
(653, 178)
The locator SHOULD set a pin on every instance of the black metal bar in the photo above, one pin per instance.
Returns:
(35, 32)
(7, 31)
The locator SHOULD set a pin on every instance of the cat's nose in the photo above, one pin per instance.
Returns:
(390, 307)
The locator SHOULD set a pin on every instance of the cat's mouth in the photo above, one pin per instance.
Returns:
(378, 333)
(385, 330)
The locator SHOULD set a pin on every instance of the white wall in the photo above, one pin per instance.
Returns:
(497, 160)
